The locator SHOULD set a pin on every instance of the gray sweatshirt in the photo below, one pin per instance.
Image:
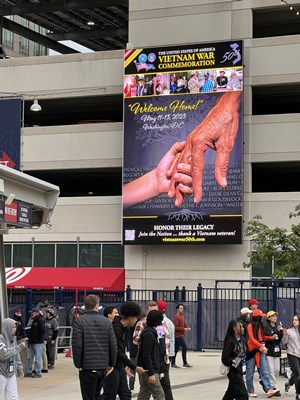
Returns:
(292, 340)
(10, 361)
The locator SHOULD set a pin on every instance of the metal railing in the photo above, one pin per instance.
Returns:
(64, 338)
(207, 310)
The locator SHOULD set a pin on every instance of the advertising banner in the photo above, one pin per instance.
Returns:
(65, 278)
(10, 132)
(183, 144)
(16, 214)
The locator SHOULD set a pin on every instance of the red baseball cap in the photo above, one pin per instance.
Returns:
(258, 313)
(162, 305)
(252, 301)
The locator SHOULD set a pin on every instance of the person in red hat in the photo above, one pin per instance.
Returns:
(258, 339)
(253, 304)
(165, 363)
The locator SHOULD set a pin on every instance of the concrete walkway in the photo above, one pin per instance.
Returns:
(203, 381)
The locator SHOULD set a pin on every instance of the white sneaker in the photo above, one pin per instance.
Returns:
(252, 394)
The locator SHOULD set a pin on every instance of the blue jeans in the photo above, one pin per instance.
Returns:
(263, 372)
(35, 352)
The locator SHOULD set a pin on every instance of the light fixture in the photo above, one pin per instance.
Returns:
(292, 8)
(90, 23)
(35, 106)
(10, 199)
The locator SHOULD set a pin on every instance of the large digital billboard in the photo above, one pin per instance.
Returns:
(183, 144)
(10, 132)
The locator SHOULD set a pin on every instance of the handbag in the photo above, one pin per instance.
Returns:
(224, 369)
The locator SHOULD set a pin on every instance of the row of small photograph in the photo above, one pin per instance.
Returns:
(202, 81)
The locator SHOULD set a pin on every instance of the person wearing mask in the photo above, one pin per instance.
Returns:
(245, 319)
(291, 337)
(10, 361)
(258, 339)
(272, 328)
(234, 355)
(51, 324)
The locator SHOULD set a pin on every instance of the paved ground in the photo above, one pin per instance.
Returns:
(203, 381)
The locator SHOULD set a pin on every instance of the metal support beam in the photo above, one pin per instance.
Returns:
(59, 5)
(93, 33)
(37, 37)
(4, 300)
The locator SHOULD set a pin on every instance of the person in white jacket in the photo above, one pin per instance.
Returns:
(10, 361)
(291, 337)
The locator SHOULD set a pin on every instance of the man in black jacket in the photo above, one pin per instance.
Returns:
(94, 348)
(36, 341)
(116, 383)
(149, 359)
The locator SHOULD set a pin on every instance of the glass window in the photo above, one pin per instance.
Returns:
(39, 50)
(22, 255)
(66, 255)
(8, 36)
(113, 256)
(262, 270)
(7, 255)
(44, 255)
(89, 255)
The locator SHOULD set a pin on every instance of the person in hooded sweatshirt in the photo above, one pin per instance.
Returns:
(116, 382)
(10, 361)
(149, 359)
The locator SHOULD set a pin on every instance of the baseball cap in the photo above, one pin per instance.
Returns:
(35, 309)
(271, 313)
(252, 301)
(50, 310)
(206, 73)
(162, 305)
(18, 313)
(258, 313)
(245, 310)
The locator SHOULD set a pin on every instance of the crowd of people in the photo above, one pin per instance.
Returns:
(26, 351)
(100, 345)
(252, 340)
(177, 83)
(110, 350)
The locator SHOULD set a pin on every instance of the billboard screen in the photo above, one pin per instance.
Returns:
(183, 144)
(10, 132)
